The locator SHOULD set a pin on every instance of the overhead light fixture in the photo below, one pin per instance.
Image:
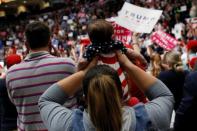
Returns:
(5, 1)
(21, 9)
(45, 5)
(2, 13)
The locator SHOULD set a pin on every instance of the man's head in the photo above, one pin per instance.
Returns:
(37, 35)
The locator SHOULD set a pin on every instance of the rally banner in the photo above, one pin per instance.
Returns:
(137, 19)
(84, 40)
(120, 33)
(164, 40)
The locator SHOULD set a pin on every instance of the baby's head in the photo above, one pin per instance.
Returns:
(100, 31)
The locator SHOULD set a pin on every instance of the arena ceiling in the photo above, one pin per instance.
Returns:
(16, 7)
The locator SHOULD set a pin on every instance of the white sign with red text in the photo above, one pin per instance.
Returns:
(164, 40)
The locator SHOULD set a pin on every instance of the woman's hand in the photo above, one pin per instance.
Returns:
(91, 64)
(85, 65)
(123, 60)
(142, 79)
(82, 64)
(72, 84)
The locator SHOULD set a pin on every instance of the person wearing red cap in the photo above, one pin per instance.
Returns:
(192, 62)
(192, 50)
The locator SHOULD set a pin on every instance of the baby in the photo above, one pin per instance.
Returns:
(101, 33)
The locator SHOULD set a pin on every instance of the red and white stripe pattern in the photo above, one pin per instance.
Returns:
(111, 60)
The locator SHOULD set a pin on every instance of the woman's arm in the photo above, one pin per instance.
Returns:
(70, 85)
(135, 42)
(160, 106)
(54, 115)
(142, 79)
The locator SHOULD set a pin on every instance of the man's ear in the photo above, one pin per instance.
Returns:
(50, 45)
(27, 46)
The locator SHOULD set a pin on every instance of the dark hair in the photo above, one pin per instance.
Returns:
(37, 35)
(100, 31)
(103, 93)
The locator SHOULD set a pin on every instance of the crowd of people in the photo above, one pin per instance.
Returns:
(66, 71)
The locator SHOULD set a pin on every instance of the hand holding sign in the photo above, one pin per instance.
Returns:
(135, 37)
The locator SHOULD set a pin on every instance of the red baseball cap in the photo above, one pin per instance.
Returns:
(192, 62)
(12, 60)
(192, 44)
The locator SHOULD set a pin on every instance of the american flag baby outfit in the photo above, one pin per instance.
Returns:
(108, 57)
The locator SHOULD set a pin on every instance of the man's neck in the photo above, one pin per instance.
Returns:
(39, 50)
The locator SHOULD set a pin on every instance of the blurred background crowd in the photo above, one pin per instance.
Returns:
(68, 23)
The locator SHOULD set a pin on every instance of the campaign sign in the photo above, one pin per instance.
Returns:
(164, 40)
(120, 33)
(183, 8)
(137, 19)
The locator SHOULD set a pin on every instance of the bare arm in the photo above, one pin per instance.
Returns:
(135, 38)
(72, 84)
(141, 78)
(133, 55)
(160, 106)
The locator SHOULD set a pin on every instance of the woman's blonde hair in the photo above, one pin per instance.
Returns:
(103, 92)
(173, 59)
(156, 64)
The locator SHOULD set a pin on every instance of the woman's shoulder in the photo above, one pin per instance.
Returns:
(136, 112)
(140, 118)
(77, 120)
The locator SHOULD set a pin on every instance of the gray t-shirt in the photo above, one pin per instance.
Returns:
(58, 118)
